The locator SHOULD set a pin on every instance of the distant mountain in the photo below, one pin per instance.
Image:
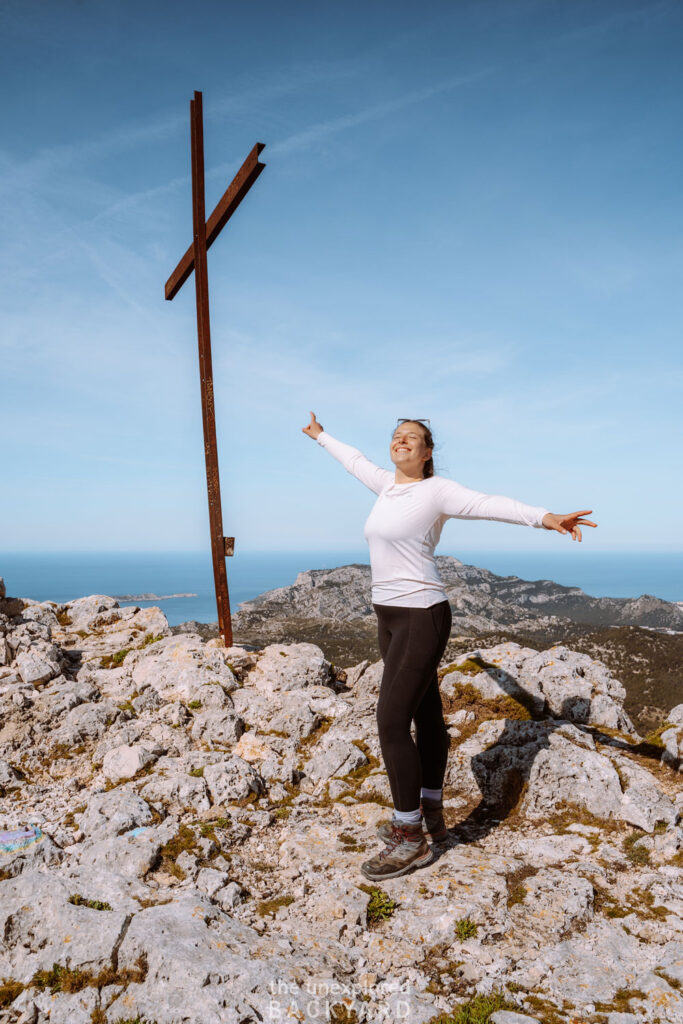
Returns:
(479, 599)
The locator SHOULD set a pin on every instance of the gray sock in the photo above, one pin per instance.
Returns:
(431, 794)
(407, 817)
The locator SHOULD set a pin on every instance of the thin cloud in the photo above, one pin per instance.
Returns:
(317, 133)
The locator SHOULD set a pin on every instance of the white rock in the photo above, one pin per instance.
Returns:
(231, 779)
(39, 664)
(84, 611)
(124, 762)
(179, 665)
(568, 774)
(283, 666)
(210, 881)
(178, 792)
(113, 813)
(217, 727)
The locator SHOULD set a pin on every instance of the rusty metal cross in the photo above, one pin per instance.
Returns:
(205, 233)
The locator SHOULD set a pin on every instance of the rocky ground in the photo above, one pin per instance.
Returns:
(200, 815)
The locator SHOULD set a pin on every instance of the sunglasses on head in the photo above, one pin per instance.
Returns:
(413, 419)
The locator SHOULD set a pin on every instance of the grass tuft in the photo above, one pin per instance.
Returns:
(115, 660)
(465, 928)
(477, 1011)
(81, 901)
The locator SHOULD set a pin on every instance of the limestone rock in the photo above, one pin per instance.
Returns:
(17, 858)
(217, 728)
(231, 779)
(282, 667)
(39, 664)
(111, 814)
(177, 667)
(86, 722)
(124, 762)
(178, 792)
(334, 756)
(41, 927)
(566, 774)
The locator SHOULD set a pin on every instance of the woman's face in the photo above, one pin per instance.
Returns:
(408, 449)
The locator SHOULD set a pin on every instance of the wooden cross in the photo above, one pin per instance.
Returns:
(204, 234)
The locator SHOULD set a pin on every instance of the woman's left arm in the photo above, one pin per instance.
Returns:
(461, 502)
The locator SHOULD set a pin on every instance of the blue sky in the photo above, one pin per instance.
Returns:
(471, 211)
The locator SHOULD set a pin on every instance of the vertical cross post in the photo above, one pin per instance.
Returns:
(204, 234)
(201, 279)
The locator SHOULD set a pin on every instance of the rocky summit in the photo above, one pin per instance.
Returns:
(182, 825)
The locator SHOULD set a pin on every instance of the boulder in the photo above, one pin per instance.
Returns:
(39, 664)
(232, 779)
(284, 666)
(84, 611)
(178, 666)
(87, 721)
(26, 850)
(124, 762)
(113, 813)
(217, 728)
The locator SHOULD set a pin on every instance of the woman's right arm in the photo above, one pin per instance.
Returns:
(351, 458)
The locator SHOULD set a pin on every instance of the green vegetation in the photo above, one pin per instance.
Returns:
(150, 638)
(315, 734)
(654, 739)
(115, 660)
(194, 705)
(132, 1020)
(636, 854)
(547, 1011)
(350, 843)
(81, 901)
(196, 773)
(604, 902)
(183, 840)
(568, 813)
(465, 928)
(621, 1000)
(517, 891)
(9, 990)
(69, 980)
(469, 667)
(272, 906)
(341, 1014)
(380, 905)
(477, 1011)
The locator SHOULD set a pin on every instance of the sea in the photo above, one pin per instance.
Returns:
(181, 583)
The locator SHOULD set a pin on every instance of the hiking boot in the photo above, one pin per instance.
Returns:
(432, 818)
(406, 848)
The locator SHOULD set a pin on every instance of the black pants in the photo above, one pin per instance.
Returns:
(412, 642)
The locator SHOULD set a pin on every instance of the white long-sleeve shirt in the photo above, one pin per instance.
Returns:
(405, 525)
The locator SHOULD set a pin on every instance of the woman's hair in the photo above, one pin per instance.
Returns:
(429, 442)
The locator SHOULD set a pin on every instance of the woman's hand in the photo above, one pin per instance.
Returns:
(567, 523)
(314, 428)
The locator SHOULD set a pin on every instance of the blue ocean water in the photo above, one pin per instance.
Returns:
(63, 576)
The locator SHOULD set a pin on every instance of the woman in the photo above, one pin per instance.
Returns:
(414, 622)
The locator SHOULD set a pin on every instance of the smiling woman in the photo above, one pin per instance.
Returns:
(414, 622)
(412, 444)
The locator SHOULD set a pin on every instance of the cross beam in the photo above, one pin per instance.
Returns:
(204, 234)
